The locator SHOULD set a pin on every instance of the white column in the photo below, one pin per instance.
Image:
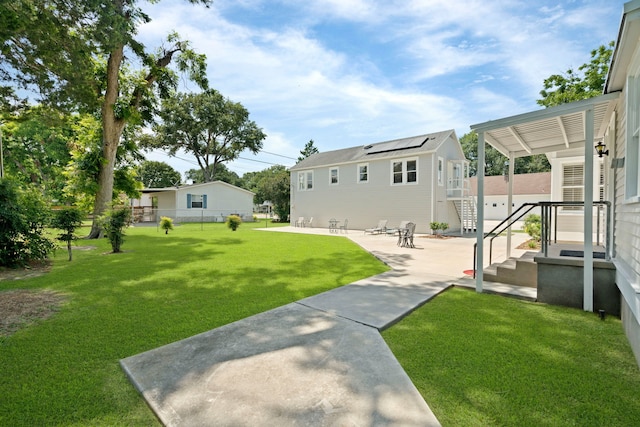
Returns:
(480, 226)
(588, 210)
(510, 199)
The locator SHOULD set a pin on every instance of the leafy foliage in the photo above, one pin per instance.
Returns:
(67, 219)
(208, 126)
(272, 184)
(233, 222)
(587, 82)
(154, 174)
(166, 224)
(533, 226)
(23, 216)
(113, 222)
(222, 173)
(496, 163)
(308, 150)
(35, 147)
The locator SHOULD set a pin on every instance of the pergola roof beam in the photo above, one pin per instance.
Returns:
(563, 130)
(518, 138)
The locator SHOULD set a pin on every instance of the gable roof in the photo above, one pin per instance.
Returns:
(382, 150)
(526, 183)
(188, 187)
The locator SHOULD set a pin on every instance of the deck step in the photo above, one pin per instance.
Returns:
(521, 271)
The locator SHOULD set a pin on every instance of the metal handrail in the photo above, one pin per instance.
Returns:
(509, 222)
(545, 232)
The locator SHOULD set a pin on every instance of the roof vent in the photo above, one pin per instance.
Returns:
(366, 147)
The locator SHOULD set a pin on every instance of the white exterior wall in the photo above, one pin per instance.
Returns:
(365, 204)
(626, 235)
(495, 207)
(222, 200)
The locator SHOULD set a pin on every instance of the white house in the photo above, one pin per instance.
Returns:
(208, 202)
(527, 188)
(420, 179)
(611, 120)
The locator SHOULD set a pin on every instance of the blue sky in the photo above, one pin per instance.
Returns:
(352, 72)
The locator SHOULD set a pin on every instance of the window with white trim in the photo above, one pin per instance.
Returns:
(305, 181)
(632, 158)
(404, 171)
(363, 172)
(440, 171)
(573, 185)
(196, 201)
(333, 176)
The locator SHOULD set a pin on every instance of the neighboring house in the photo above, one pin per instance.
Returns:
(208, 202)
(527, 188)
(420, 179)
(572, 130)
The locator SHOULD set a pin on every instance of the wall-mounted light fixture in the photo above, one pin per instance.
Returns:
(600, 149)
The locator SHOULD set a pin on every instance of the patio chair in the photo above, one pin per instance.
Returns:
(300, 222)
(310, 222)
(343, 227)
(381, 228)
(394, 231)
(405, 238)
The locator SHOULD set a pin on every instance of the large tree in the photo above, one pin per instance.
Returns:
(35, 144)
(274, 185)
(154, 174)
(76, 53)
(207, 125)
(222, 173)
(587, 82)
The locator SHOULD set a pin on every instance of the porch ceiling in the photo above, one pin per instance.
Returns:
(552, 129)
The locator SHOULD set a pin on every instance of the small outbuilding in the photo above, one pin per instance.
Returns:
(206, 202)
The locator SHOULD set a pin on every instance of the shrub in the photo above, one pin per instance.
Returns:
(233, 222)
(23, 215)
(444, 226)
(166, 224)
(533, 226)
(68, 220)
(434, 226)
(114, 222)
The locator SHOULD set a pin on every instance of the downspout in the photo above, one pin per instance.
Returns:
(434, 196)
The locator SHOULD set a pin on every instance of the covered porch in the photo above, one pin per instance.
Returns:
(577, 126)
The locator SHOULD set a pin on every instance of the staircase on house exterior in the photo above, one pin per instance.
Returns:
(467, 211)
(522, 271)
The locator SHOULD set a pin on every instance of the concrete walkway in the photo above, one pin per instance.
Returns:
(317, 362)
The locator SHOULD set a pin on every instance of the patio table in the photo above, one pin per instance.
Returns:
(333, 225)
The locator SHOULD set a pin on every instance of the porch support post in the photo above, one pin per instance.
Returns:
(510, 199)
(480, 225)
(588, 210)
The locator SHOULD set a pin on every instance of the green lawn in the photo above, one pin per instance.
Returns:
(64, 371)
(487, 360)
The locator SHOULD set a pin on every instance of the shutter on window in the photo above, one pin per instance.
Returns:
(204, 201)
(188, 201)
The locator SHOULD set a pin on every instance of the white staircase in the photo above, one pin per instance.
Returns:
(467, 212)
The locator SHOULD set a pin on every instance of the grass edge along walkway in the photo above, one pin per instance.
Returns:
(65, 370)
(480, 359)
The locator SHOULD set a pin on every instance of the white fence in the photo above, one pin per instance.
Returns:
(149, 214)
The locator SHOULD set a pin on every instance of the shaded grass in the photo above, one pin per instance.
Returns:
(162, 288)
(481, 360)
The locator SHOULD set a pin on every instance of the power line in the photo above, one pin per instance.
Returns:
(279, 155)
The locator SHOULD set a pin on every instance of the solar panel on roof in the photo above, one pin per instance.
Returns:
(399, 144)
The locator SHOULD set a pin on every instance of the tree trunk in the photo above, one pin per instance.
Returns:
(112, 128)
